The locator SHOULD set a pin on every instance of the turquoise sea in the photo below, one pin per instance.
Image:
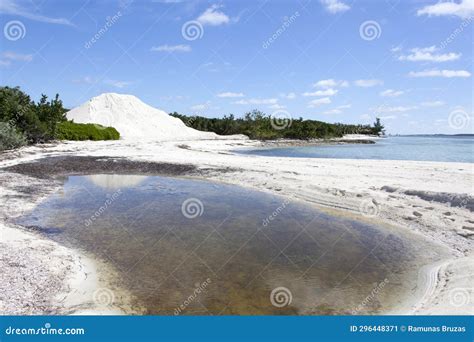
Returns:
(425, 148)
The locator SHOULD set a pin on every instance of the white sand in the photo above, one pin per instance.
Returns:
(134, 119)
(347, 185)
(430, 199)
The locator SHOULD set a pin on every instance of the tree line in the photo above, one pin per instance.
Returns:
(258, 125)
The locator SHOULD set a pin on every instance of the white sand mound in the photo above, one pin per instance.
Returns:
(135, 120)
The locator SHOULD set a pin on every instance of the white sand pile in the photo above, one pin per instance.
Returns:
(135, 119)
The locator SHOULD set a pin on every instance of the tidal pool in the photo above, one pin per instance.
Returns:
(183, 246)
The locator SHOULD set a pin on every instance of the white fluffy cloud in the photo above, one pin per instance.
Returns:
(391, 93)
(318, 102)
(331, 83)
(324, 92)
(462, 9)
(440, 73)
(230, 94)
(172, 48)
(335, 6)
(13, 56)
(213, 17)
(432, 104)
(257, 102)
(429, 54)
(396, 109)
(368, 83)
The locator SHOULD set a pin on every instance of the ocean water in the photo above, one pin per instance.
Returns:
(423, 148)
(185, 247)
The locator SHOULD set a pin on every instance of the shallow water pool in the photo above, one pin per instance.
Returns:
(183, 246)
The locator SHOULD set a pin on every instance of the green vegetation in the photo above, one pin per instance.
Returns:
(22, 121)
(10, 137)
(258, 125)
(68, 130)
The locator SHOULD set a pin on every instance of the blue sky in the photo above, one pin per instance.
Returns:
(408, 62)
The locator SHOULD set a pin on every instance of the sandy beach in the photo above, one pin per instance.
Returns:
(432, 199)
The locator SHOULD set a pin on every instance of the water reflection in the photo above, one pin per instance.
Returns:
(243, 246)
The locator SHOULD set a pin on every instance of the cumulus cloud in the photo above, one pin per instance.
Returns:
(230, 94)
(368, 83)
(396, 109)
(270, 101)
(172, 48)
(463, 9)
(318, 102)
(200, 107)
(324, 92)
(432, 104)
(440, 73)
(277, 106)
(13, 56)
(335, 6)
(429, 54)
(331, 83)
(391, 93)
(213, 17)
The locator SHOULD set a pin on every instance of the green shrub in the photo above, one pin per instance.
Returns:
(10, 137)
(69, 130)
